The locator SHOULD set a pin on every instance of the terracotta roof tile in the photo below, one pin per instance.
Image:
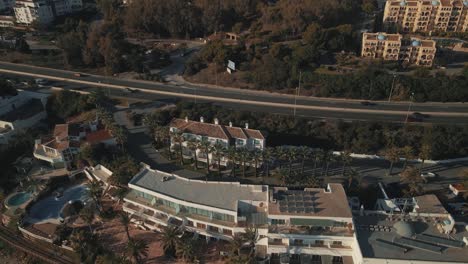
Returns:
(98, 136)
(213, 130)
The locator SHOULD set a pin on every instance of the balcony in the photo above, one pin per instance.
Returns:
(306, 230)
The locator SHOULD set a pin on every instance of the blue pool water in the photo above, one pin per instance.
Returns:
(19, 198)
(50, 207)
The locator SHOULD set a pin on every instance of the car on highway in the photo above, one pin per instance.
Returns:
(367, 103)
(426, 176)
(417, 117)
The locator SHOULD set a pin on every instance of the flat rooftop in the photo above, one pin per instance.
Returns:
(330, 202)
(222, 195)
(374, 230)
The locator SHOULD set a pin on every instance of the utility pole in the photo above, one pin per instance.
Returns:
(298, 91)
(409, 107)
(391, 90)
(216, 73)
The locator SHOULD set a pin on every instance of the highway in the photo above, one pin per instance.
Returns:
(238, 99)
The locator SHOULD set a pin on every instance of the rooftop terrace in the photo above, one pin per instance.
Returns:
(222, 195)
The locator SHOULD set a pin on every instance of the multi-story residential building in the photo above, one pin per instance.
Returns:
(426, 15)
(60, 149)
(394, 47)
(215, 133)
(44, 11)
(312, 224)
(20, 111)
(212, 209)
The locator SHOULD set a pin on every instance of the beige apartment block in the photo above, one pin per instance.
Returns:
(393, 47)
(426, 15)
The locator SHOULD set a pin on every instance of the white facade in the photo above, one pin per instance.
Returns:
(43, 11)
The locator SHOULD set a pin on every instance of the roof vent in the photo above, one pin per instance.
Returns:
(216, 121)
(165, 178)
(230, 124)
(246, 125)
(186, 119)
(202, 119)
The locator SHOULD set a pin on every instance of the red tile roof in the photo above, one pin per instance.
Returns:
(98, 136)
(215, 131)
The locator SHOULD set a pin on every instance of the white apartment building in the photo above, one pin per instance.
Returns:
(313, 224)
(215, 133)
(44, 11)
(427, 15)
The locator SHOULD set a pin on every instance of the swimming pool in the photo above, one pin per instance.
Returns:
(18, 199)
(50, 207)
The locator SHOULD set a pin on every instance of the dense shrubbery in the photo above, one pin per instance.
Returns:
(65, 104)
(360, 137)
(376, 84)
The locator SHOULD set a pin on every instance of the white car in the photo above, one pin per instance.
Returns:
(428, 175)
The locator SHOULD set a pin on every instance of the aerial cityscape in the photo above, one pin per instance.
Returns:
(238, 132)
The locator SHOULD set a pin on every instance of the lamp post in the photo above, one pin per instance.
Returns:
(409, 107)
(298, 90)
(391, 90)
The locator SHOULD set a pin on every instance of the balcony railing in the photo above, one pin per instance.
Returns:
(333, 231)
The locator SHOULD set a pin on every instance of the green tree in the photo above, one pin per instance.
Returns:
(125, 221)
(137, 249)
(170, 239)
(186, 250)
(392, 154)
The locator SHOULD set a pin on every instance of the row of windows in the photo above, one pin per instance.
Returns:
(188, 209)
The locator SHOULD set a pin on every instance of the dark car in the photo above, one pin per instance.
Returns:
(367, 103)
(417, 117)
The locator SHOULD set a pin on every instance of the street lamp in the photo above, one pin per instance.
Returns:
(409, 107)
(298, 90)
(391, 90)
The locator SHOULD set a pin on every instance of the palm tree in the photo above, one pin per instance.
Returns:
(206, 147)
(329, 158)
(94, 190)
(178, 138)
(236, 244)
(120, 193)
(304, 152)
(353, 178)
(218, 152)
(137, 249)
(392, 154)
(257, 158)
(86, 244)
(87, 214)
(244, 156)
(192, 144)
(233, 155)
(319, 154)
(186, 251)
(251, 237)
(170, 239)
(120, 135)
(291, 156)
(281, 154)
(125, 221)
(408, 154)
(424, 154)
(267, 156)
(346, 159)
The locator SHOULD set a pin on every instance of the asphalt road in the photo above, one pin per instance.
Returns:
(238, 99)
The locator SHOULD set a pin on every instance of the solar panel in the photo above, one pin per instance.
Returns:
(299, 204)
(390, 246)
(283, 208)
(440, 241)
(418, 244)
